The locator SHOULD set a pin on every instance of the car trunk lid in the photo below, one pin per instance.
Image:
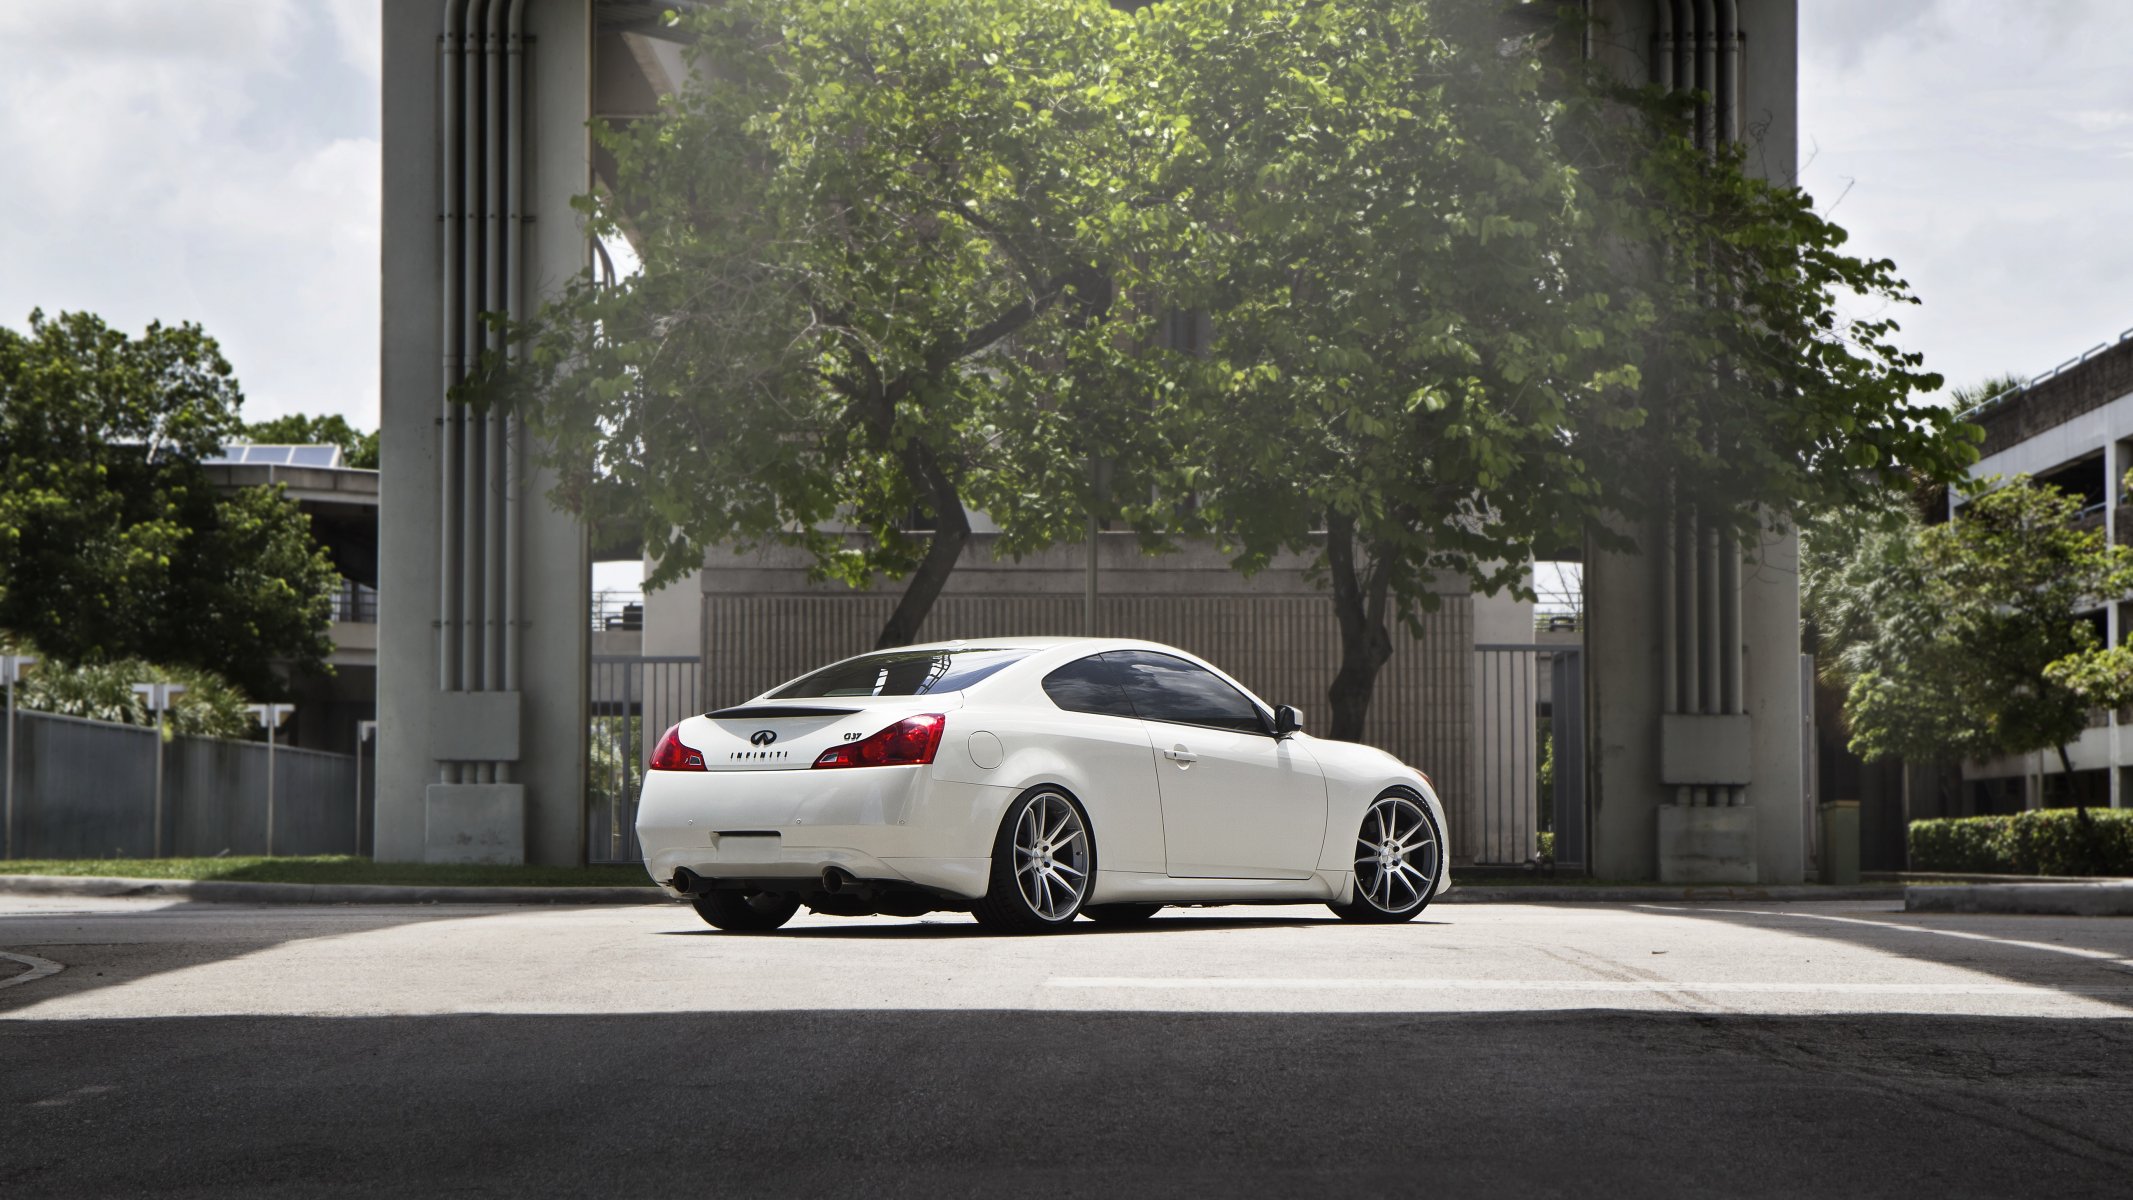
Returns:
(789, 735)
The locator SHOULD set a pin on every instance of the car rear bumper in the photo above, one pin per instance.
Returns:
(893, 824)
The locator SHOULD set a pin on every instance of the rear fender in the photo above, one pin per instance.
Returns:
(1106, 763)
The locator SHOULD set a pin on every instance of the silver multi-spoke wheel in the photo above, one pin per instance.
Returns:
(1051, 856)
(1398, 857)
(1042, 865)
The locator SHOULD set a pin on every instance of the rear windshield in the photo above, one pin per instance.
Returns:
(902, 673)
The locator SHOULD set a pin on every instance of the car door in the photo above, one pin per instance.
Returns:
(1113, 763)
(1238, 803)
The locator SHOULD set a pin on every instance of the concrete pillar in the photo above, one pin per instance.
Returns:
(1625, 599)
(540, 727)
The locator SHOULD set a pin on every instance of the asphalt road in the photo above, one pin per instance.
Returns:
(1691, 1050)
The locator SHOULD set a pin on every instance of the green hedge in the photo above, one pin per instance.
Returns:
(2054, 841)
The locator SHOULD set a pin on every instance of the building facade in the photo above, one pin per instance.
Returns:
(2072, 428)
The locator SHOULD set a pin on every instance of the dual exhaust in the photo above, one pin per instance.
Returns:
(836, 881)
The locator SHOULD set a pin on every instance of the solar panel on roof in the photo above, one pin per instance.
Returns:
(240, 453)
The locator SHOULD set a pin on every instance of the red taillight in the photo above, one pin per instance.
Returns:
(675, 755)
(910, 742)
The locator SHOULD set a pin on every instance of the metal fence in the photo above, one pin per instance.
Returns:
(1529, 757)
(87, 789)
(632, 700)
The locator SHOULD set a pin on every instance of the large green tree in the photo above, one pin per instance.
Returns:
(886, 250)
(1382, 215)
(1962, 639)
(1467, 301)
(112, 542)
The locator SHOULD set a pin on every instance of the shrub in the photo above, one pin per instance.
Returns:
(2054, 841)
(1966, 844)
(210, 705)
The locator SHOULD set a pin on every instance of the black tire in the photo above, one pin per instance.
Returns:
(1120, 914)
(746, 912)
(1397, 868)
(1007, 906)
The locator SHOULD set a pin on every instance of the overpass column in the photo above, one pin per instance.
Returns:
(1695, 701)
(483, 597)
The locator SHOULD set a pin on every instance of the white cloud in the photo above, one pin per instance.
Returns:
(1986, 150)
(360, 34)
(215, 161)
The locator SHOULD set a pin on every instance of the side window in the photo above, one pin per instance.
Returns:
(1164, 688)
(1089, 685)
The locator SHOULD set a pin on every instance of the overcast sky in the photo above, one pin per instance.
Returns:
(216, 161)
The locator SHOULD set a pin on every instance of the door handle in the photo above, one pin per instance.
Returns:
(1181, 756)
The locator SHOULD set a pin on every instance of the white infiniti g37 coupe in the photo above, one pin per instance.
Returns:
(1027, 780)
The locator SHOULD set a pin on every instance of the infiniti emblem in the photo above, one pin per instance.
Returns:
(762, 737)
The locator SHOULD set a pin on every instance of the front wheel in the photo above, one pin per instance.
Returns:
(1399, 857)
(1042, 864)
(746, 912)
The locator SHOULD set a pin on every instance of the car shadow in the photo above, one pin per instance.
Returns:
(855, 928)
(981, 1103)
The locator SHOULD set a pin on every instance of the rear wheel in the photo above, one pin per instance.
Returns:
(746, 912)
(1121, 914)
(1042, 863)
(1399, 857)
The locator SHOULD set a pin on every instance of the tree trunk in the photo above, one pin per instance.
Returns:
(951, 532)
(2066, 764)
(1359, 602)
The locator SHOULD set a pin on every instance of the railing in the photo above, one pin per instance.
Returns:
(618, 609)
(355, 603)
(1529, 742)
(1994, 401)
(631, 701)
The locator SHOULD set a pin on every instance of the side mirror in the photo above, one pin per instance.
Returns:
(1288, 719)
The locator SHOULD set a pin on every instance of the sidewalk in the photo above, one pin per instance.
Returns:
(222, 891)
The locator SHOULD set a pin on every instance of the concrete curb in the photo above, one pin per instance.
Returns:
(225, 891)
(2042, 899)
(1539, 893)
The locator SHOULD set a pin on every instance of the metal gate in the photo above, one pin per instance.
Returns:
(1529, 758)
(632, 700)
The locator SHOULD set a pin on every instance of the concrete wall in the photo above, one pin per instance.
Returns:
(764, 623)
(412, 719)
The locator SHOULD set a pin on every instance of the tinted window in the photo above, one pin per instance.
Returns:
(1164, 688)
(901, 673)
(1088, 686)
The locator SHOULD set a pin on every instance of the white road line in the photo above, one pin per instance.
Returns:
(1225, 984)
(2099, 956)
(38, 968)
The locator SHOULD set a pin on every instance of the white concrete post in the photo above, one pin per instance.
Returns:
(11, 668)
(365, 732)
(270, 717)
(158, 697)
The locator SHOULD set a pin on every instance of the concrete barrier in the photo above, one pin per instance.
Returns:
(2113, 899)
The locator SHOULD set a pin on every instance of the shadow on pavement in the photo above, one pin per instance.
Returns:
(2088, 956)
(105, 947)
(927, 1103)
